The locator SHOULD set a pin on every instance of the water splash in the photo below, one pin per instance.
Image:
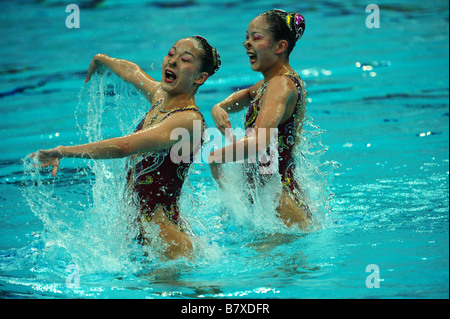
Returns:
(252, 219)
(86, 215)
(88, 219)
(233, 228)
(314, 173)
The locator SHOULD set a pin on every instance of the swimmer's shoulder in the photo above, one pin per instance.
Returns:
(282, 84)
(253, 90)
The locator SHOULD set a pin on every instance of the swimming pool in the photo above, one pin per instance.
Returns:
(381, 95)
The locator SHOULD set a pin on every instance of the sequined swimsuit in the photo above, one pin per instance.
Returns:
(157, 180)
(287, 133)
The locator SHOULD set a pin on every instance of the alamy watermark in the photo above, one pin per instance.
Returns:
(373, 19)
(73, 279)
(73, 19)
(373, 280)
(257, 149)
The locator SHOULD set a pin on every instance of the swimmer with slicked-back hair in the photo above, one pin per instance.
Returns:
(154, 177)
(276, 102)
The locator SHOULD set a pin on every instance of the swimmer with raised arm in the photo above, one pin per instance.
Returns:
(276, 102)
(155, 179)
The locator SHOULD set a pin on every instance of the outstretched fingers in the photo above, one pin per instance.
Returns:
(47, 158)
(55, 169)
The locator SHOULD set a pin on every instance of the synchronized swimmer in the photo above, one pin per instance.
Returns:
(155, 179)
(277, 102)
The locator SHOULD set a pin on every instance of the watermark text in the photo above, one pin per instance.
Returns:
(373, 280)
(73, 279)
(260, 145)
(73, 19)
(373, 19)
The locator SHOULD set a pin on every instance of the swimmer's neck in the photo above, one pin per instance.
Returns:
(278, 68)
(173, 102)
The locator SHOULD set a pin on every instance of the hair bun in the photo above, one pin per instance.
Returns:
(216, 60)
(296, 23)
(285, 26)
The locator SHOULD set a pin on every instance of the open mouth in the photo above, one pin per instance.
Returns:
(170, 76)
(253, 57)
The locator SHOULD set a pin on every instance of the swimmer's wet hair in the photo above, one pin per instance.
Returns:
(210, 58)
(285, 26)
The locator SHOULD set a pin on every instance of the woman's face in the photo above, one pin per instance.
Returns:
(259, 45)
(181, 67)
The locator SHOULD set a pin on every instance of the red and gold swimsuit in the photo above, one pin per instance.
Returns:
(157, 180)
(287, 133)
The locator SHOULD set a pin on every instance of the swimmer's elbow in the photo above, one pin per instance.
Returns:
(126, 149)
(122, 148)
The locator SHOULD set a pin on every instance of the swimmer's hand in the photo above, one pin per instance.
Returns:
(94, 66)
(49, 158)
(222, 121)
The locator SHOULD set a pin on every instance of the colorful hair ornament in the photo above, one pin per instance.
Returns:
(296, 23)
(215, 54)
(299, 24)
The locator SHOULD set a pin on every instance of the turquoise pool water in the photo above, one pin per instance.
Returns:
(379, 96)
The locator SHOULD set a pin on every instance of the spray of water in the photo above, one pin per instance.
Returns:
(314, 173)
(89, 218)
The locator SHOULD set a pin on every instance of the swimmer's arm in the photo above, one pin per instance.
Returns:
(280, 93)
(239, 100)
(128, 71)
(234, 103)
(277, 95)
(150, 140)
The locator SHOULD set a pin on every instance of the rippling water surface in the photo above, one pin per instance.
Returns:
(378, 112)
